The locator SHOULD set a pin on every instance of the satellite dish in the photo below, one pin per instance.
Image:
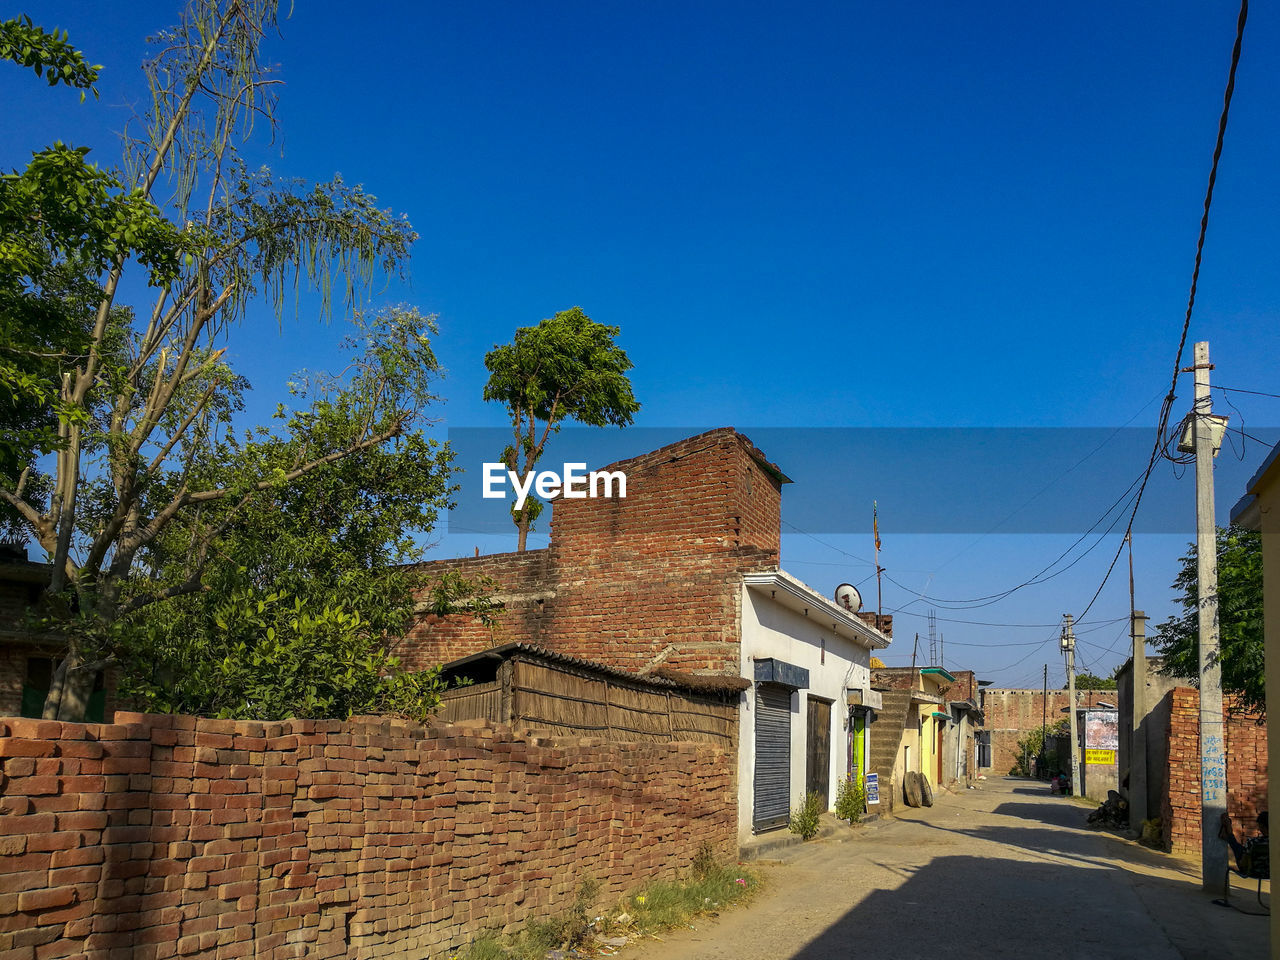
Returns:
(847, 596)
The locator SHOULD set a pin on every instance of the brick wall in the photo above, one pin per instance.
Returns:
(1010, 715)
(650, 580)
(1246, 770)
(157, 837)
(522, 587)
(965, 687)
(17, 595)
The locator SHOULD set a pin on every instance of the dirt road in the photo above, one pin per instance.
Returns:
(1005, 870)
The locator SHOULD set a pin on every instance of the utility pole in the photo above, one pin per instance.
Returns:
(1069, 647)
(1206, 436)
(1044, 722)
(875, 529)
(1137, 739)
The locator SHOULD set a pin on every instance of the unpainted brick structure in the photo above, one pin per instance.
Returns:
(646, 581)
(164, 836)
(1246, 770)
(20, 587)
(1011, 714)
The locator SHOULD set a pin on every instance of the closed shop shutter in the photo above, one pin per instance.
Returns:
(773, 757)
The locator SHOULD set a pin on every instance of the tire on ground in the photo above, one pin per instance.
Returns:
(911, 788)
(926, 790)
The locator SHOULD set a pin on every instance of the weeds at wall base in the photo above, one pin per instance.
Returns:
(653, 909)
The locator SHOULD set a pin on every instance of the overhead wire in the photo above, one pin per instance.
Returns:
(1167, 406)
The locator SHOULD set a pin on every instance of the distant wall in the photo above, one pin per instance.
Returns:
(1011, 714)
(161, 836)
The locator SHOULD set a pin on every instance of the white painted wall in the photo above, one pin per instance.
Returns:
(771, 630)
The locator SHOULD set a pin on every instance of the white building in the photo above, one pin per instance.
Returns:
(806, 719)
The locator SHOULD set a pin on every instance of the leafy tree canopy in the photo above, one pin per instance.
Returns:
(239, 573)
(568, 367)
(1239, 614)
(1087, 681)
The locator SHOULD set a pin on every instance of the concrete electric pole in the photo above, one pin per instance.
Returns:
(1069, 647)
(1204, 440)
(1138, 707)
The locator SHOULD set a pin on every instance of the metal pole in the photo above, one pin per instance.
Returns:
(1069, 644)
(1213, 758)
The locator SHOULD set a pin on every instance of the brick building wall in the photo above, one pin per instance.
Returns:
(649, 580)
(1009, 715)
(160, 837)
(1246, 770)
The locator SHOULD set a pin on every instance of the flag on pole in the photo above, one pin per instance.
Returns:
(875, 522)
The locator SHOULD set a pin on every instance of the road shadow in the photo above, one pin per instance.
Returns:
(994, 907)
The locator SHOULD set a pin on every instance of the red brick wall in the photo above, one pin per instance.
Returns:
(652, 579)
(13, 672)
(965, 687)
(1011, 714)
(157, 837)
(1246, 771)
(522, 585)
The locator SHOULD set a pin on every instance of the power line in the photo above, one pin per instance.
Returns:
(991, 623)
(1167, 406)
(1255, 393)
(829, 546)
(1038, 578)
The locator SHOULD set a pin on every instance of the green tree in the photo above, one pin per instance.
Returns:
(1087, 681)
(1032, 746)
(134, 404)
(302, 586)
(1239, 616)
(568, 367)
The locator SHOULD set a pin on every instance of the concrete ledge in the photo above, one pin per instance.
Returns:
(769, 844)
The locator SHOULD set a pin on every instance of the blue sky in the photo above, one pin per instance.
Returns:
(813, 216)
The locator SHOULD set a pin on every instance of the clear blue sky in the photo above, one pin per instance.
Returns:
(939, 215)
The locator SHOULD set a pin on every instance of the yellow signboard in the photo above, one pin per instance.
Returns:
(1106, 757)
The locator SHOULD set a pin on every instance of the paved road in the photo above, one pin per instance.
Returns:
(1005, 870)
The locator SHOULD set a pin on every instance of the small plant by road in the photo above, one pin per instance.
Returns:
(851, 800)
(805, 819)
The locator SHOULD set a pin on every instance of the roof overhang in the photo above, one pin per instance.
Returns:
(919, 696)
(1246, 512)
(865, 698)
(791, 593)
(938, 672)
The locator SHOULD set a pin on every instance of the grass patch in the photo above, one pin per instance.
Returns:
(648, 911)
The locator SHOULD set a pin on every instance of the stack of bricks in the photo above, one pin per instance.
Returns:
(652, 579)
(1246, 743)
(163, 836)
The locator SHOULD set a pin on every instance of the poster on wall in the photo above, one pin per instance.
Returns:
(873, 788)
(1101, 736)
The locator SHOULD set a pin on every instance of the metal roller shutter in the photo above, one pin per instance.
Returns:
(773, 757)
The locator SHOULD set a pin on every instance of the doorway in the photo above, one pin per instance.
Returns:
(818, 764)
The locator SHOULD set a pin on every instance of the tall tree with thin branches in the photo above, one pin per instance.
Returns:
(130, 413)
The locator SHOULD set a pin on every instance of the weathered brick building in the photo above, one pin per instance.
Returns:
(681, 577)
(643, 582)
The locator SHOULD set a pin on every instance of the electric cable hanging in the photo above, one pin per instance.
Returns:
(1165, 409)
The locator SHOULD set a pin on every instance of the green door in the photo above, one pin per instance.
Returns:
(858, 747)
